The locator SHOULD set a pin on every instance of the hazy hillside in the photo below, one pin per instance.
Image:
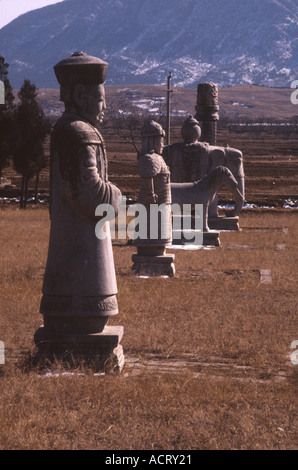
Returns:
(225, 41)
(241, 101)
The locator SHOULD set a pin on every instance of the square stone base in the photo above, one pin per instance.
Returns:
(215, 223)
(100, 350)
(162, 265)
(211, 238)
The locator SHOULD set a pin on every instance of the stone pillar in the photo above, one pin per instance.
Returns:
(207, 114)
(207, 111)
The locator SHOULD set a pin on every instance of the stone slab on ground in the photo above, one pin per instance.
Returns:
(223, 223)
(210, 238)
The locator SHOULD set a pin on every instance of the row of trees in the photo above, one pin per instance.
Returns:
(23, 129)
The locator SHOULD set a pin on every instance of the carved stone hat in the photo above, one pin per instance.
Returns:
(152, 128)
(81, 68)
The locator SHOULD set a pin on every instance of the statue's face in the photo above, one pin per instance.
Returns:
(158, 144)
(96, 103)
(90, 102)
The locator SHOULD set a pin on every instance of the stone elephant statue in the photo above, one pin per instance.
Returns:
(204, 191)
(193, 161)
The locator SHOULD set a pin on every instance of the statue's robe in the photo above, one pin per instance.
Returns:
(80, 276)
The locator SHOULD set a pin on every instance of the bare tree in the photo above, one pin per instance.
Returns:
(129, 121)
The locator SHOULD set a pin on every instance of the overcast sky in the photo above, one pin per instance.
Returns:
(11, 9)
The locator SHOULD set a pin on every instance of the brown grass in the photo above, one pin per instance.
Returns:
(207, 352)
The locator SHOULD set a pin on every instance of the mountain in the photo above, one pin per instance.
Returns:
(225, 41)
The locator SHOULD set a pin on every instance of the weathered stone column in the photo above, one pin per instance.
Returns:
(207, 111)
(207, 114)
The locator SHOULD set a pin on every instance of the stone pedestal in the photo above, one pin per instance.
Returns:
(153, 261)
(210, 238)
(102, 350)
(75, 332)
(193, 233)
(223, 223)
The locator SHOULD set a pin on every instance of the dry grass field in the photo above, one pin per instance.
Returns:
(207, 352)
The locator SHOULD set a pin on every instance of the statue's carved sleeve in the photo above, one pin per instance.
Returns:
(84, 181)
(94, 190)
(147, 194)
(148, 167)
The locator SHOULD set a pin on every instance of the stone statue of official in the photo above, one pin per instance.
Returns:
(79, 289)
(155, 197)
(155, 185)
